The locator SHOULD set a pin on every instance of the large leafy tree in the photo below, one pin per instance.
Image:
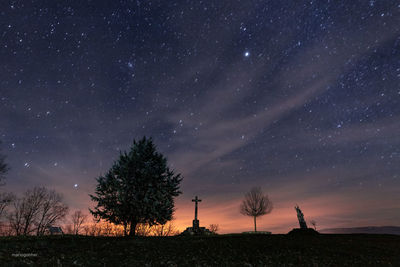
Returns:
(138, 189)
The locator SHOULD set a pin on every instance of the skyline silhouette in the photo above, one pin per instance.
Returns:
(301, 99)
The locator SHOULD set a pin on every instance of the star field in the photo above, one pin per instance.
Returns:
(301, 98)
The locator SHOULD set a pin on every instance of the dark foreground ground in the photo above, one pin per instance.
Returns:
(222, 250)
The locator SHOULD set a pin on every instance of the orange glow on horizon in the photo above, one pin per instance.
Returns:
(347, 207)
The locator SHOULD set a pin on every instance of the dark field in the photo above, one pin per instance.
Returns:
(222, 250)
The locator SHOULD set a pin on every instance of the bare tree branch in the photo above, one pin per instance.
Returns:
(314, 223)
(38, 209)
(255, 204)
(51, 210)
(78, 218)
(167, 229)
(214, 228)
(5, 200)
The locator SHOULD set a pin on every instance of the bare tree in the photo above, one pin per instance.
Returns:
(31, 203)
(103, 228)
(5, 229)
(94, 229)
(167, 229)
(255, 204)
(67, 229)
(36, 210)
(314, 223)
(86, 229)
(143, 229)
(16, 217)
(5, 200)
(51, 210)
(107, 229)
(78, 218)
(214, 228)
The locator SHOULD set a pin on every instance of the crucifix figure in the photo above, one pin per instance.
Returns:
(196, 224)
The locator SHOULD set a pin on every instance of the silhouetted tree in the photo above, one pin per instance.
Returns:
(3, 169)
(214, 228)
(77, 218)
(143, 229)
(138, 189)
(255, 204)
(107, 229)
(5, 200)
(38, 209)
(314, 223)
(52, 210)
(167, 229)
(93, 229)
(100, 228)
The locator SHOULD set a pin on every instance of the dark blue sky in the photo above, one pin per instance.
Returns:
(301, 98)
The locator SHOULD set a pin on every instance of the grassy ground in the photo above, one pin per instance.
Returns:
(222, 250)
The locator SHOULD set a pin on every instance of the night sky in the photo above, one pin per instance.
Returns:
(301, 98)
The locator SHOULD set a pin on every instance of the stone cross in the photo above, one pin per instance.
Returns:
(196, 200)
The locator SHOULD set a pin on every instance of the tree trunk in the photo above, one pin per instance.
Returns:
(125, 225)
(26, 227)
(132, 229)
(255, 224)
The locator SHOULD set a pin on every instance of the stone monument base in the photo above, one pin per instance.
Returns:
(197, 231)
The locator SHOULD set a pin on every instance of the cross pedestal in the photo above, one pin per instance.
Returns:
(196, 229)
(196, 224)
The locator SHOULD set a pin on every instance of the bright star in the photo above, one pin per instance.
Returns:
(76, 185)
(247, 54)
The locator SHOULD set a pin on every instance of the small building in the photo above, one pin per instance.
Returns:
(54, 230)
